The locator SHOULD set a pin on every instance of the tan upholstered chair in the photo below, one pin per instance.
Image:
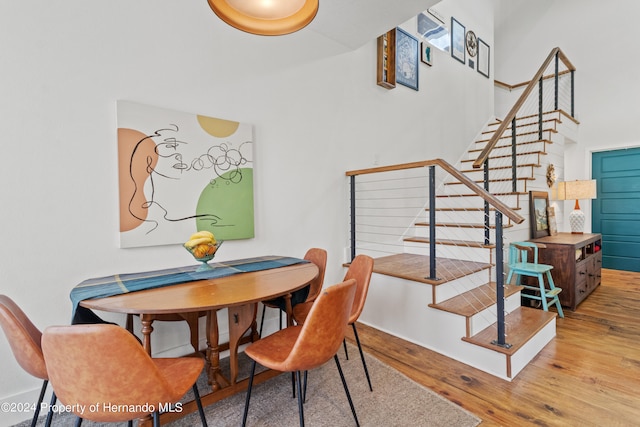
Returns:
(24, 339)
(302, 347)
(361, 269)
(94, 364)
(319, 258)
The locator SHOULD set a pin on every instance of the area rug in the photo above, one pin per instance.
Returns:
(395, 401)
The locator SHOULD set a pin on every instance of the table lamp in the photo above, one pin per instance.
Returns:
(577, 190)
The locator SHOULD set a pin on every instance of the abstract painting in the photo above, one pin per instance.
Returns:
(180, 173)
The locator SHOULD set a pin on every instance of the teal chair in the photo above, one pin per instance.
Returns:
(519, 255)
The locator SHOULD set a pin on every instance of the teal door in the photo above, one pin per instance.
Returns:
(616, 211)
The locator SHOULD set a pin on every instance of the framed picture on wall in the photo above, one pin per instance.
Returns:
(538, 205)
(425, 53)
(484, 57)
(406, 59)
(458, 41)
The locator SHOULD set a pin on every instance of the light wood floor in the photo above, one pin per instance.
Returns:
(589, 375)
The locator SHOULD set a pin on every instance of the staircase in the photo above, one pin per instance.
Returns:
(454, 312)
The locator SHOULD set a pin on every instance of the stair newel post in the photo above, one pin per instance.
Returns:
(540, 96)
(487, 224)
(572, 93)
(432, 222)
(514, 158)
(556, 83)
(352, 211)
(501, 339)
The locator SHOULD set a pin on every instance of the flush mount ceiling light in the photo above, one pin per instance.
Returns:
(266, 17)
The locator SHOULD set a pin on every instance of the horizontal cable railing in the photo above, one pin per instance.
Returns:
(554, 86)
(431, 208)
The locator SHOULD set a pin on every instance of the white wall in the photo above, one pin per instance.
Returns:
(315, 107)
(598, 39)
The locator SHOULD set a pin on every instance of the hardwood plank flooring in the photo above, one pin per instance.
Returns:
(589, 375)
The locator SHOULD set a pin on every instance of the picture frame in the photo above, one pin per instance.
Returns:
(484, 58)
(458, 50)
(538, 217)
(434, 31)
(426, 53)
(553, 224)
(406, 59)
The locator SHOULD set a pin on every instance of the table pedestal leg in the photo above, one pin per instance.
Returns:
(240, 319)
(146, 320)
(216, 379)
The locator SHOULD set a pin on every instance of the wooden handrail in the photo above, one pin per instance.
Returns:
(488, 197)
(522, 84)
(519, 103)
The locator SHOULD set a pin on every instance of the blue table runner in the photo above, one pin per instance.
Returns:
(118, 284)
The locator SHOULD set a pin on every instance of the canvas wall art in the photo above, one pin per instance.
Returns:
(180, 173)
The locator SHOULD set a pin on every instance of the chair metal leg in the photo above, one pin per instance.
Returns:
(346, 390)
(78, 422)
(156, 419)
(43, 390)
(264, 308)
(344, 344)
(300, 404)
(304, 396)
(47, 423)
(196, 394)
(250, 386)
(364, 363)
(130, 423)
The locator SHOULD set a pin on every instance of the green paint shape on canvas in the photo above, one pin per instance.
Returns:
(230, 199)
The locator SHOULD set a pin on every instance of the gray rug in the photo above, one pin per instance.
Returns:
(395, 401)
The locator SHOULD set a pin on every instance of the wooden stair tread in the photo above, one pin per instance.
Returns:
(474, 301)
(533, 165)
(507, 155)
(505, 135)
(511, 193)
(520, 326)
(508, 145)
(524, 178)
(459, 225)
(465, 243)
(416, 268)
(470, 209)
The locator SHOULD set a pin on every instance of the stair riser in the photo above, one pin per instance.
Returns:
(496, 186)
(534, 158)
(451, 233)
(487, 317)
(523, 128)
(532, 119)
(511, 200)
(477, 175)
(455, 287)
(521, 138)
(520, 148)
(462, 217)
(483, 255)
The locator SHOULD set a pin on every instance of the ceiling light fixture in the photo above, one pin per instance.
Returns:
(266, 17)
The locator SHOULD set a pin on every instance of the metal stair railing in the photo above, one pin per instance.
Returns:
(396, 196)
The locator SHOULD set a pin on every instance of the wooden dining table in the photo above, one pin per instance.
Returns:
(238, 293)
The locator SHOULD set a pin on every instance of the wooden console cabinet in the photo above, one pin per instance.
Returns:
(577, 264)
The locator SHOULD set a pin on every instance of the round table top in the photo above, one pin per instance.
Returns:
(210, 294)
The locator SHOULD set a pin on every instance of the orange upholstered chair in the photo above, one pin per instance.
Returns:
(361, 269)
(319, 258)
(90, 365)
(302, 347)
(24, 339)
